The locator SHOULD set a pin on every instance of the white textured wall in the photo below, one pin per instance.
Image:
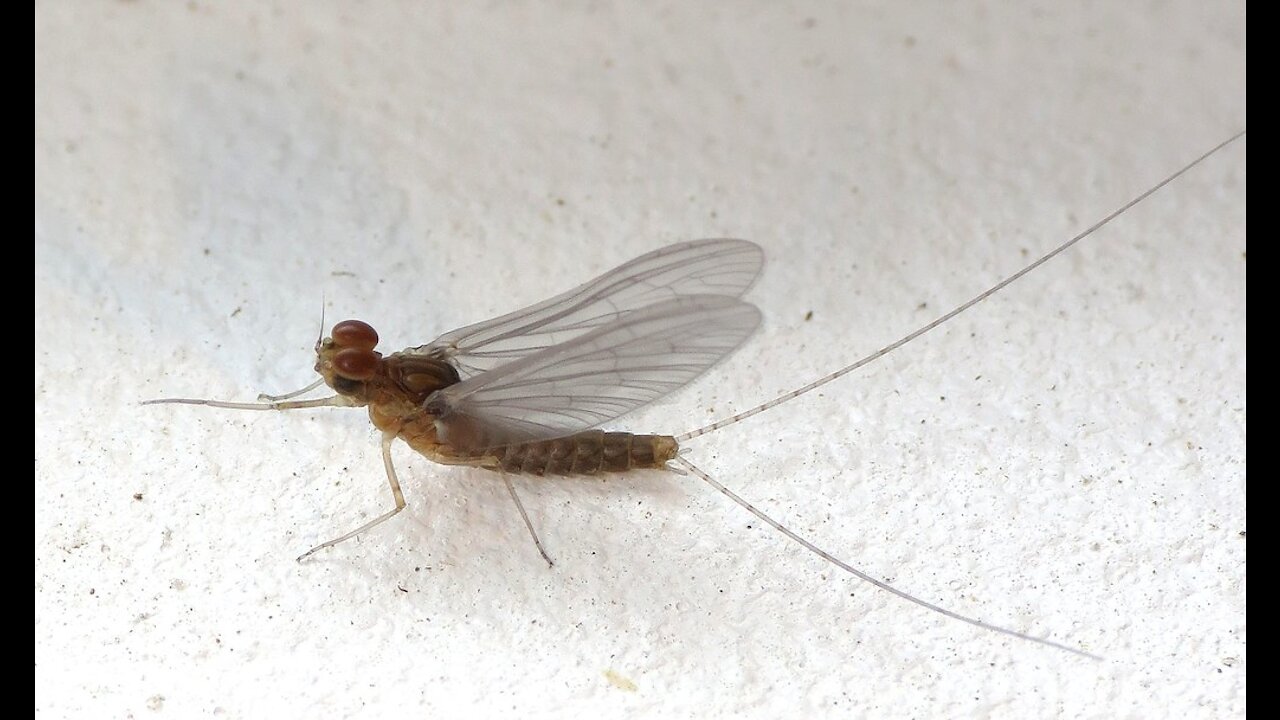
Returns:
(1068, 459)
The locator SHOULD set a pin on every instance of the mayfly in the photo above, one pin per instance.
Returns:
(525, 393)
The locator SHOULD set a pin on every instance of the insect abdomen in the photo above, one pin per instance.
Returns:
(589, 453)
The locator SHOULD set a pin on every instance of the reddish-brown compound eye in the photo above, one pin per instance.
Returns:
(355, 334)
(356, 364)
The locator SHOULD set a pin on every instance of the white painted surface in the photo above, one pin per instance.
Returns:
(204, 173)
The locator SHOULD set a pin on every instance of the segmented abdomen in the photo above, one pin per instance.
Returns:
(588, 453)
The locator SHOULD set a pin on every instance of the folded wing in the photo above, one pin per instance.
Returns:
(594, 377)
(720, 267)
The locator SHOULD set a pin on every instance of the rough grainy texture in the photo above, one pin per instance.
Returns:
(1068, 459)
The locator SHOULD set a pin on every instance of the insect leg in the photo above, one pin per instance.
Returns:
(263, 397)
(863, 576)
(511, 488)
(395, 493)
(333, 401)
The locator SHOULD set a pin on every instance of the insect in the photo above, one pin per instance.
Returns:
(525, 393)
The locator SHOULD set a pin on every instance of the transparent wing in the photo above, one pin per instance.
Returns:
(699, 267)
(595, 377)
